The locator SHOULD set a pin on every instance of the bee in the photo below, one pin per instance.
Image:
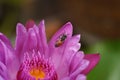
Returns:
(61, 40)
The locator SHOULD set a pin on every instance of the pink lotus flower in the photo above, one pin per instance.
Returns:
(35, 59)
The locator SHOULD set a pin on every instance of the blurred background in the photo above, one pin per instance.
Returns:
(98, 22)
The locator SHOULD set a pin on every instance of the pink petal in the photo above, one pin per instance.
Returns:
(6, 50)
(73, 44)
(58, 52)
(93, 59)
(78, 77)
(66, 78)
(62, 56)
(36, 39)
(30, 42)
(63, 69)
(70, 47)
(2, 53)
(32, 39)
(66, 29)
(7, 55)
(3, 72)
(10, 59)
(3, 39)
(82, 66)
(20, 38)
(76, 61)
(43, 40)
(67, 51)
(1, 78)
(81, 77)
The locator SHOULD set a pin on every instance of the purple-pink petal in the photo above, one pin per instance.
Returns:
(21, 34)
(73, 44)
(2, 54)
(93, 59)
(81, 77)
(10, 59)
(4, 39)
(3, 72)
(57, 53)
(76, 60)
(43, 39)
(33, 38)
(82, 66)
(31, 41)
(4, 42)
(6, 52)
(66, 29)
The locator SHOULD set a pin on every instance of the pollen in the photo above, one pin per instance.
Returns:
(37, 73)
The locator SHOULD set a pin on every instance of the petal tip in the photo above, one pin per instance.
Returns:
(1, 34)
(68, 28)
(93, 59)
(43, 21)
(97, 56)
(20, 29)
(69, 24)
(41, 24)
(19, 24)
(78, 36)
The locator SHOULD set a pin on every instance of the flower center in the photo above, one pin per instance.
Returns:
(36, 68)
(38, 74)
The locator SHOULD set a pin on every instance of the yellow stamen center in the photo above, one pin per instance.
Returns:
(38, 74)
